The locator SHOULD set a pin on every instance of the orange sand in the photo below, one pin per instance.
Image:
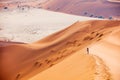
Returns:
(57, 56)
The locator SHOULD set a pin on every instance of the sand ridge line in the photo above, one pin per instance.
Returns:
(102, 71)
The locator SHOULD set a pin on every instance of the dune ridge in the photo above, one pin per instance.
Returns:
(28, 59)
(102, 71)
(111, 47)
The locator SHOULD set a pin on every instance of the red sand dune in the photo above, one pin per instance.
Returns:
(93, 8)
(23, 61)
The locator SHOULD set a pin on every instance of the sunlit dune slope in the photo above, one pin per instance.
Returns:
(107, 48)
(110, 49)
(23, 61)
(79, 66)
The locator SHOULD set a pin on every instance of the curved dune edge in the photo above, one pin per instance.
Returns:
(102, 71)
(27, 60)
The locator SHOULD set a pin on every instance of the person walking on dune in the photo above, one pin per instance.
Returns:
(87, 50)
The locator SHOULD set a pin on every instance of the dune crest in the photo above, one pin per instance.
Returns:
(102, 71)
(26, 60)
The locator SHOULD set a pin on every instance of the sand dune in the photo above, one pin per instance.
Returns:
(117, 1)
(79, 66)
(108, 9)
(24, 61)
(111, 47)
(61, 55)
(92, 8)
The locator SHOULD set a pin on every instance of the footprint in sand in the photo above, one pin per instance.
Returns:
(79, 44)
(101, 35)
(69, 43)
(52, 51)
(37, 64)
(51, 65)
(88, 38)
(57, 58)
(97, 34)
(92, 32)
(99, 39)
(64, 50)
(47, 61)
(40, 65)
(72, 43)
(18, 76)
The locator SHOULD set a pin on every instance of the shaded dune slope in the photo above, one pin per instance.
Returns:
(21, 61)
(92, 7)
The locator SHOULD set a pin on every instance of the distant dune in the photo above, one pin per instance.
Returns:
(91, 8)
(117, 1)
(24, 61)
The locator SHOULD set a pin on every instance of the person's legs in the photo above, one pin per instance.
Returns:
(87, 50)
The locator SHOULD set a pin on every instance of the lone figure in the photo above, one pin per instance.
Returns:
(87, 50)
